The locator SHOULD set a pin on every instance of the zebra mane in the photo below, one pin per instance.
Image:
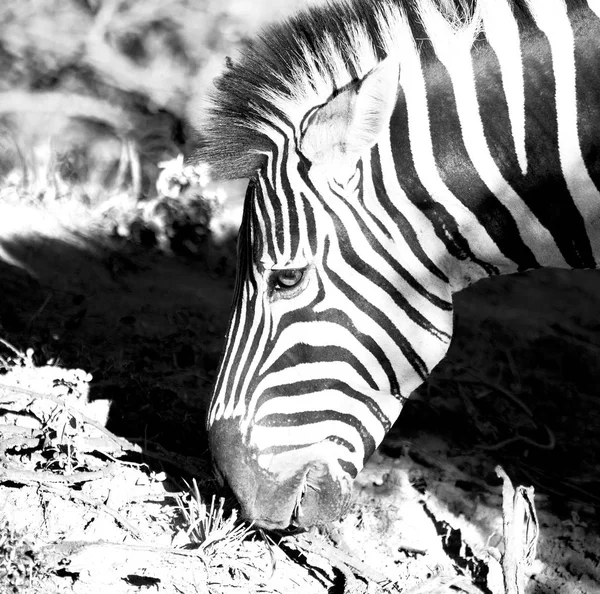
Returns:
(300, 63)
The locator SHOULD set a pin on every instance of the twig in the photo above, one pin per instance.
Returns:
(99, 506)
(71, 548)
(13, 475)
(586, 496)
(40, 309)
(550, 445)
(188, 464)
(121, 442)
(12, 348)
(271, 548)
(499, 388)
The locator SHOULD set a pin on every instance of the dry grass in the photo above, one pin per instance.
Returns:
(208, 527)
(20, 560)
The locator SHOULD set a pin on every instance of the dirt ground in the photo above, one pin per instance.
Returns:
(105, 333)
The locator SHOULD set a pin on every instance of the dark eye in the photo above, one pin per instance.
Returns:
(287, 279)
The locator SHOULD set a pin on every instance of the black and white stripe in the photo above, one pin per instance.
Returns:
(486, 163)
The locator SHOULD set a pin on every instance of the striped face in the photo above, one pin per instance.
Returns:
(329, 333)
(388, 184)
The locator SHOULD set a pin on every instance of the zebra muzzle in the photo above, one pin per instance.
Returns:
(301, 488)
(321, 497)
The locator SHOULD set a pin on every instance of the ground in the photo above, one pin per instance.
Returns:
(91, 509)
(115, 283)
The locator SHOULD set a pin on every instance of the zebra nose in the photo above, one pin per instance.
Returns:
(262, 500)
(301, 491)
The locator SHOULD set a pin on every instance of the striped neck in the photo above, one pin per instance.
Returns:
(492, 148)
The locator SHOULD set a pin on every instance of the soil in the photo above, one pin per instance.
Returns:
(109, 352)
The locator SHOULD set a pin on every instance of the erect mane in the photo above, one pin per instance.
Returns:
(300, 63)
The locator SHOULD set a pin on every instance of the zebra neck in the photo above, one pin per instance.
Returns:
(495, 148)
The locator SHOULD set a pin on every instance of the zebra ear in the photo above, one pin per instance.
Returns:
(353, 120)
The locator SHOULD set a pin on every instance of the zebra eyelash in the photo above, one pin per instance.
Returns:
(287, 283)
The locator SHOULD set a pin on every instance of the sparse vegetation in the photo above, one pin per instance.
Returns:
(20, 561)
(208, 526)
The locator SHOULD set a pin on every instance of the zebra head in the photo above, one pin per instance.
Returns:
(398, 150)
(331, 326)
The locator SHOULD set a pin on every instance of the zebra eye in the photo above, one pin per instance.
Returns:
(287, 279)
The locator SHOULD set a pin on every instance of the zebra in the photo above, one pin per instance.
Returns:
(397, 152)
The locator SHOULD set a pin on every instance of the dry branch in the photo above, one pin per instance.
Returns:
(70, 494)
(520, 533)
(13, 392)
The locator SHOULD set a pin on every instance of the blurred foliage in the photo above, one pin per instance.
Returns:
(95, 93)
(152, 49)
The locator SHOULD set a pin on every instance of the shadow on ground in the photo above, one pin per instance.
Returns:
(147, 326)
(519, 386)
(521, 375)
